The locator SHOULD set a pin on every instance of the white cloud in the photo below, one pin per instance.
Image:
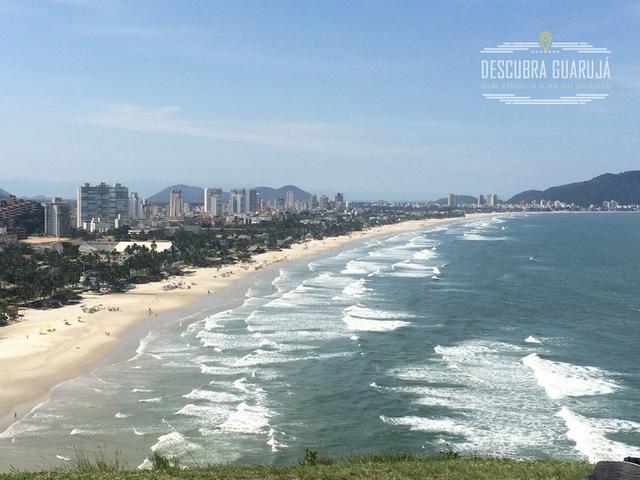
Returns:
(313, 138)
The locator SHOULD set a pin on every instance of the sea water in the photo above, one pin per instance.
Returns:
(513, 336)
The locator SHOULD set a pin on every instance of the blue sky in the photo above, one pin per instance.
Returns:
(380, 99)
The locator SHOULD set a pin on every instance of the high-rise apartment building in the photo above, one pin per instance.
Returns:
(136, 207)
(102, 201)
(213, 202)
(243, 201)
(57, 220)
(176, 204)
(290, 200)
(252, 203)
(237, 201)
(492, 200)
(451, 200)
(324, 202)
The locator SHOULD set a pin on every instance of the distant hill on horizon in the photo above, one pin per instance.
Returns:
(622, 187)
(3, 193)
(195, 195)
(190, 194)
(269, 193)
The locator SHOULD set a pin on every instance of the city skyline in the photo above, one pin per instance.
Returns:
(106, 93)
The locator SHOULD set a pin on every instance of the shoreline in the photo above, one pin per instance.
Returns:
(33, 363)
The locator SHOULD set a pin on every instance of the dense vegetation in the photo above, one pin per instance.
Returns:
(383, 467)
(623, 188)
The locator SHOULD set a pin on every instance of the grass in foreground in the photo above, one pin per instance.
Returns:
(383, 467)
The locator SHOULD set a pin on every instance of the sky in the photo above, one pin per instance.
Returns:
(379, 99)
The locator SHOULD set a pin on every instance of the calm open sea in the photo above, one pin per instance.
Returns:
(514, 336)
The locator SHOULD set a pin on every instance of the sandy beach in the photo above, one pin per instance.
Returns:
(42, 350)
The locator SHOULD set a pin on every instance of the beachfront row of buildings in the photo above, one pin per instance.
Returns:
(101, 207)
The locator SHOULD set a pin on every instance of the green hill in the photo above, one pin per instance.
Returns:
(623, 187)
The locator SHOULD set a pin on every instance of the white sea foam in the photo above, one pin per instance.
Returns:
(247, 419)
(210, 396)
(532, 339)
(590, 436)
(141, 390)
(480, 238)
(359, 267)
(408, 272)
(62, 457)
(262, 357)
(426, 254)
(364, 325)
(171, 445)
(150, 400)
(358, 318)
(241, 384)
(269, 357)
(566, 380)
(422, 424)
(407, 264)
(485, 383)
(121, 415)
(465, 353)
(21, 428)
(224, 341)
(221, 370)
(206, 414)
(325, 280)
(142, 349)
(357, 288)
(273, 443)
(137, 432)
(364, 312)
(281, 280)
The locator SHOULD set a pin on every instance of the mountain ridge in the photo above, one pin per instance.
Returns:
(623, 188)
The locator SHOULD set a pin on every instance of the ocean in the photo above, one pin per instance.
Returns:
(515, 336)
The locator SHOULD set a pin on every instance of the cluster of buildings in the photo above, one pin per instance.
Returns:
(557, 205)
(491, 201)
(102, 207)
(12, 210)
